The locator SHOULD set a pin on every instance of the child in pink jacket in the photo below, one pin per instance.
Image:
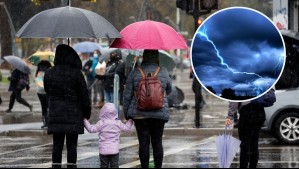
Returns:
(109, 129)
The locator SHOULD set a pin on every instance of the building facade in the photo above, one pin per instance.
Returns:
(286, 14)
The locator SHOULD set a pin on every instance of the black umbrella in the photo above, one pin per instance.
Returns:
(68, 22)
(176, 97)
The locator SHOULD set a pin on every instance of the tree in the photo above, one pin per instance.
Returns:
(5, 31)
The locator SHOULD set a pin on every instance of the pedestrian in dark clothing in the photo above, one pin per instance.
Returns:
(18, 82)
(42, 95)
(69, 103)
(90, 73)
(199, 102)
(114, 66)
(149, 124)
(252, 118)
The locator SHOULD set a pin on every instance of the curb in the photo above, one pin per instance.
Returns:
(25, 133)
(20, 118)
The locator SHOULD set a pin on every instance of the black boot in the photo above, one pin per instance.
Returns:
(44, 123)
(56, 166)
(71, 165)
(8, 111)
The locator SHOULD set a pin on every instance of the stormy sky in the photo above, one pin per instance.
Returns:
(248, 42)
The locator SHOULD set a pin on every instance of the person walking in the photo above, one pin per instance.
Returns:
(109, 129)
(252, 118)
(90, 73)
(149, 123)
(42, 95)
(18, 82)
(69, 104)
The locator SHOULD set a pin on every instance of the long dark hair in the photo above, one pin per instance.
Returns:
(43, 66)
(151, 56)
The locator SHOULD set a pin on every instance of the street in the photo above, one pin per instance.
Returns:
(25, 145)
(180, 151)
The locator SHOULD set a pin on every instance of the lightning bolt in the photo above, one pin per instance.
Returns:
(279, 65)
(204, 36)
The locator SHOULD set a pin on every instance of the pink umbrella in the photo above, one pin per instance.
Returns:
(150, 35)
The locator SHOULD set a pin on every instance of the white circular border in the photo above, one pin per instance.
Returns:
(238, 101)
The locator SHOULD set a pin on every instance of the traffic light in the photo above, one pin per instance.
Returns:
(200, 21)
(185, 5)
(208, 4)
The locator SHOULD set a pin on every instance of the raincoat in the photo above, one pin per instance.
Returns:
(109, 129)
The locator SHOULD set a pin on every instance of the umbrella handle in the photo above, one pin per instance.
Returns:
(228, 131)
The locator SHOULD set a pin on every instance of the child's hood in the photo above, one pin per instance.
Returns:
(108, 112)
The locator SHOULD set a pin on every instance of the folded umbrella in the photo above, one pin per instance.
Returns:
(227, 147)
(18, 63)
(150, 35)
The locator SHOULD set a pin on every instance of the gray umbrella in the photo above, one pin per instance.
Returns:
(18, 63)
(106, 54)
(176, 97)
(68, 22)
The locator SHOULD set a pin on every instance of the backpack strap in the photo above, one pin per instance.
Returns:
(141, 71)
(157, 71)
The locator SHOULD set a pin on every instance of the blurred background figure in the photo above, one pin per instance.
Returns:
(18, 82)
(90, 73)
(42, 67)
(98, 86)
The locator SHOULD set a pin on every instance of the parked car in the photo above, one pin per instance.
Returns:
(282, 120)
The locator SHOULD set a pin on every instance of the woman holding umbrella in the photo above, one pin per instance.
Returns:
(19, 80)
(149, 124)
(42, 95)
(69, 103)
(152, 36)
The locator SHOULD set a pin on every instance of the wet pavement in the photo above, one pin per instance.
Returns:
(187, 152)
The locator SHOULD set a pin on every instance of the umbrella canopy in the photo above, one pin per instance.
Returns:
(68, 22)
(227, 147)
(18, 63)
(87, 47)
(176, 97)
(39, 56)
(106, 54)
(165, 58)
(150, 35)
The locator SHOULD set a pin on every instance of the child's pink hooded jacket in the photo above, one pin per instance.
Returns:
(109, 129)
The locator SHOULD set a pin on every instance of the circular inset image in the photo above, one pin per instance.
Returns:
(238, 54)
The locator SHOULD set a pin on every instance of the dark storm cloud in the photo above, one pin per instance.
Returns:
(242, 25)
(248, 42)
